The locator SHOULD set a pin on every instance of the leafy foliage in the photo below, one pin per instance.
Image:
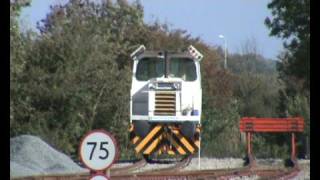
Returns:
(75, 76)
(291, 22)
(221, 136)
(251, 63)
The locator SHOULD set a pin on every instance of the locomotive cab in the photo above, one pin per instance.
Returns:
(165, 103)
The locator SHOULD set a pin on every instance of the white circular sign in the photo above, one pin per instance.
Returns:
(98, 150)
(99, 177)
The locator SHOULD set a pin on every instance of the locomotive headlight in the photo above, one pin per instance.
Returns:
(152, 85)
(195, 112)
(186, 111)
(177, 85)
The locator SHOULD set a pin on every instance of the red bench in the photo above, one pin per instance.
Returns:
(251, 125)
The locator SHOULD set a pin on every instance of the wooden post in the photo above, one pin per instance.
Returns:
(293, 147)
(251, 159)
(308, 147)
(248, 144)
(293, 150)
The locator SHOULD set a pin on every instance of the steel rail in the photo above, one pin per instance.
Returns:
(129, 168)
(186, 175)
(174, 168)
(174, 172)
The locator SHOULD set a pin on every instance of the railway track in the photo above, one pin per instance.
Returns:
(220, 174)
(176, 167)
(130, 168)
(176, 172)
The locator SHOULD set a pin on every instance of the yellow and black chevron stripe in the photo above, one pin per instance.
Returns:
(165, 139)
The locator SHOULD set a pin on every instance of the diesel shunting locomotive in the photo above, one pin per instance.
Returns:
(165, 104)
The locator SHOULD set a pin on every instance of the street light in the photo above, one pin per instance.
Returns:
(225, 50)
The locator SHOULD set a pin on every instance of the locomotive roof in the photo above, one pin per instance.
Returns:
(191, 53)
(161, 53)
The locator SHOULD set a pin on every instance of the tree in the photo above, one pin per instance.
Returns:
(18, 49)
(77, 76)
(258, 95)
(291, 22)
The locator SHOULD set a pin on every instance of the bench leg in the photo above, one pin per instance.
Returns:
(293, 150)
(251, 159)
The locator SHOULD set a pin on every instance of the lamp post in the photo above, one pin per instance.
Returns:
(225, 50)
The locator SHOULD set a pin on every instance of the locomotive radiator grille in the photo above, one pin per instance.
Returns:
(165, 103)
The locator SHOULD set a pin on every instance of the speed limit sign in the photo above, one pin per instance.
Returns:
(98, 150)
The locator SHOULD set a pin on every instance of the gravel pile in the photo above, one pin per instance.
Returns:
(206, 163)
(270, 162)
(150, 167)
(215, 163)
(304, 165)
(29, 156)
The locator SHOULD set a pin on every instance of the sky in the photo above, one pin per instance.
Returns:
(237, 20)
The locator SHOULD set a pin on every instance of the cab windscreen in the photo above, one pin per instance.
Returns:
(148, 68)
(183, 68)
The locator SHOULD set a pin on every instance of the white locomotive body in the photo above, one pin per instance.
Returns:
(166, 93)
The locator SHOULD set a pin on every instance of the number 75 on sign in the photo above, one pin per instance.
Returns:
(98, 150)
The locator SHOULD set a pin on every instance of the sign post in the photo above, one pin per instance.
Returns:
(98, 177)
(98, 150)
